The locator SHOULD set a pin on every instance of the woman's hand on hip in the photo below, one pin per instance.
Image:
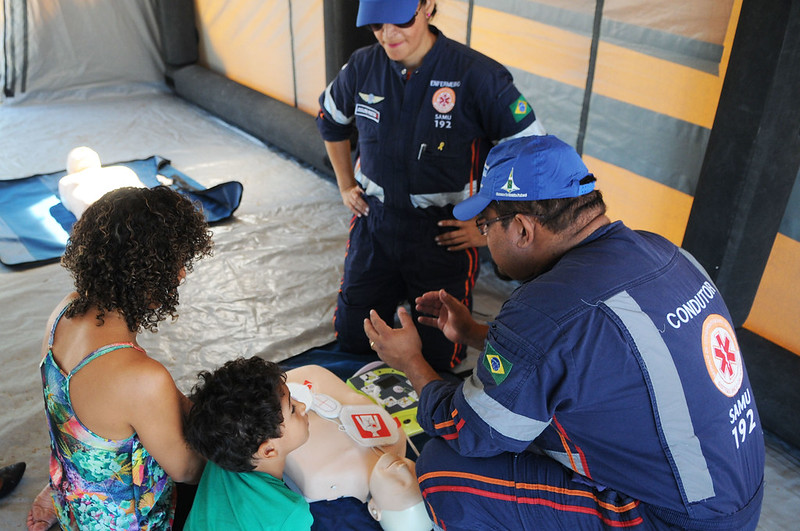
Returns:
(353, 199)
(464, 235)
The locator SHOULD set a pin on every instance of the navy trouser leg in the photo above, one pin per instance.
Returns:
(392, 257)
(518, 491)
(371, 281)
(455, 272)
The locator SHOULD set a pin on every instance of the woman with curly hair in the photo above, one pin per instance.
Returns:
(114, 413)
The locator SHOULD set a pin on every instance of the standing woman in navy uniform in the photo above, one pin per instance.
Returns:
(427, 110)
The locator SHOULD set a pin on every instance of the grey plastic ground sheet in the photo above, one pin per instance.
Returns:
(269, 290)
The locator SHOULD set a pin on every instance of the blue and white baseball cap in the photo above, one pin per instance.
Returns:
(385, 11)
(531, 168)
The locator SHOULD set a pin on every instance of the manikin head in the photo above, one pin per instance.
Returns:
(82, 158)
(396, 502)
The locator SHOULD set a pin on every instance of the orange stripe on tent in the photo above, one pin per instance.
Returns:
(623, 191)
(626, 75)
(777, 303)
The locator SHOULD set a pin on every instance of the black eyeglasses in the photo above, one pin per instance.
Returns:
(483, 224)
(404, 25)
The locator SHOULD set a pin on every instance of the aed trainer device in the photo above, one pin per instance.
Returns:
(390, 389)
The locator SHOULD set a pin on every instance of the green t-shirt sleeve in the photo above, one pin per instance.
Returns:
(300, 518)
(248, 501)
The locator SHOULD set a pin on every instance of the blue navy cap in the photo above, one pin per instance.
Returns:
(385, 11)
(531, 168)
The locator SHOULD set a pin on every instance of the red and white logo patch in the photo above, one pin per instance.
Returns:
(444, 100)
(722, 355)
(370, 426)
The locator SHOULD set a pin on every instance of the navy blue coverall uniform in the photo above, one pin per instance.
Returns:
(611, 394)
(422, 138)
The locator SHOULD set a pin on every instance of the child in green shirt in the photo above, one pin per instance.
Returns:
(245, 423)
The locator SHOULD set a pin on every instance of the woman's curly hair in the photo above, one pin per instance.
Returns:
(236, 408)
(127, 251)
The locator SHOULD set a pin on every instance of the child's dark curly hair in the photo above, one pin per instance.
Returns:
(236, 408)
(127, 251)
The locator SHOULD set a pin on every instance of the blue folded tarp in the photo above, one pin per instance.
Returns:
(34, 225)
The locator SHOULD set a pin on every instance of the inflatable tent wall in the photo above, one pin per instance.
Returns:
(638, 87)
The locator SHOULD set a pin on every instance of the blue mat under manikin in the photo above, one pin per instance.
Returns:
(34, 225)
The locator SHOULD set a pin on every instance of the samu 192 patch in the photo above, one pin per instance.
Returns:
(496, 364)
(520, 108)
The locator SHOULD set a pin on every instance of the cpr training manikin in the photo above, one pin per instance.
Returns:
(355, 448)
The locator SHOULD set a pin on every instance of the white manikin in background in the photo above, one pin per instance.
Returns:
(87, 181)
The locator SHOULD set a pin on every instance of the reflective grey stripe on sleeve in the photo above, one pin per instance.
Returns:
(564, 459)
(330, 107)
(695, 263)
(370, 187)
(670, 402)
(535, 129)
(499, 418)
(440, 199)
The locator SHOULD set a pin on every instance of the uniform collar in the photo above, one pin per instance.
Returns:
(428, 60)
(609, 228)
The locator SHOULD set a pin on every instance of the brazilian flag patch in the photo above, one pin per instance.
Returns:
(520, 108)
(496, 364)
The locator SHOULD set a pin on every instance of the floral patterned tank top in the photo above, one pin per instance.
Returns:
(99, 483)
